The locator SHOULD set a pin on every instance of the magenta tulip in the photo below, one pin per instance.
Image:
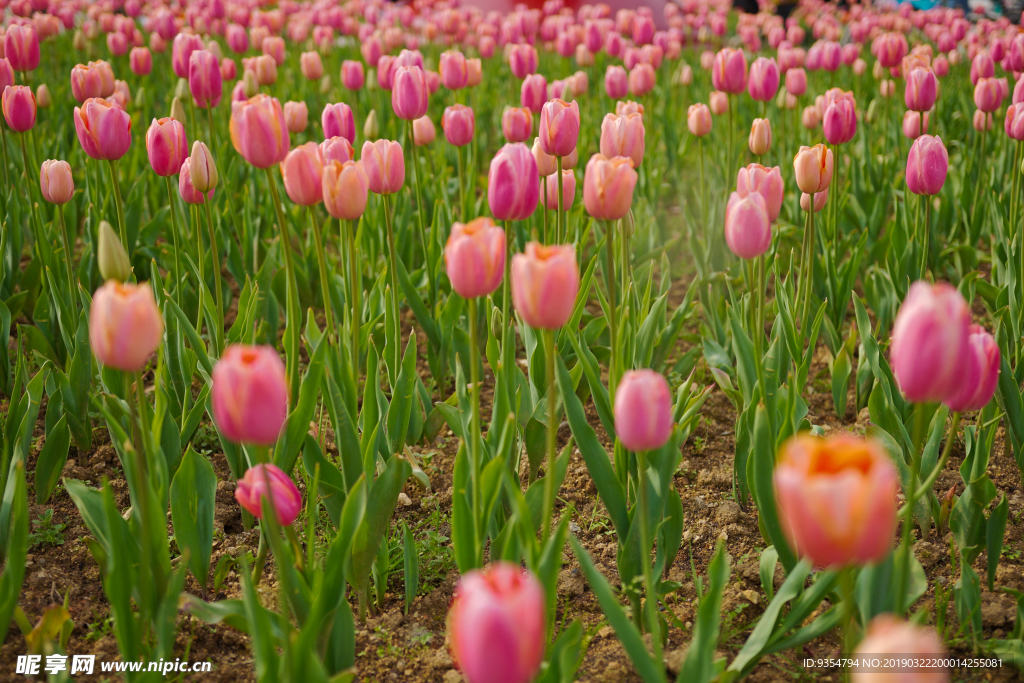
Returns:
(513, 183)
(643, 410)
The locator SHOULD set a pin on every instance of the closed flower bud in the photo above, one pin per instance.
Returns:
(19, 106)
(820, 199)
(764, 79)
(178, 111)
(166, 146)
(616, 82)
(296, 116)
(189, 193)
(311, 65)
(475, 257)
(513, 183)
(836, 499)
(608, 187)
(748, 230)
(517, 124)
(203, 168)
(111, 257)
(345, 189)
(453, 69)
(760, 138)
(988, 95)
(267, 481)
(250, 83)
(813, 167)
(250, 395)
(384, 165)
(927, 165)
(352, 75)
(140, 61)
(796, 82)
(545, 282)
(729, 71)
(643, 410)
(559, 127)
(125, 326)
(409, 94)
(423, 131)
(56, 182)
(915, 124)
(533, 93)
(21, 47)
(698, 119)
(458, 123)
(982, 121)
(922, 89)
(371, 129)
(719, 102)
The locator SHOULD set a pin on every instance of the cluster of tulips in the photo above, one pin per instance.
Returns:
(514, 284)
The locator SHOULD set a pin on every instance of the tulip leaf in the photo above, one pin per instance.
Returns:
(297, 424)
(410, 561)
(16, 544)
(699, 665)
(52, 457)
(193, 499)
(763, 453)
(380, 509)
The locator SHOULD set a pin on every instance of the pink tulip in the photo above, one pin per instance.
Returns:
(921, 91)
(760, 138)
(409, 94)
(166, 146)
(250, 398)
(125, 326)
(55, 181)
(296, 116)
(839, 122)
(643, 410)
(384, 165)
(86, 82)
(836, 499)
(929, 339)
(927, 165)
(267, 480)
(453, 69)
(204, 80)
(698, 119)
(748, 230)
(228, 69)
(337, 149)
(274, 47)
(831, 56)
(976, 382)
(140, 61)
(545, 281)
(117, 44)
(1014, 123)
(616, 82)
(764, 79)
(258, 131)
(517, 124)
(311, 65)
(860, 67)
(546, 164)
(643, 29)
(764, 181)
(608, 185)
(187, 189)
(338, 120)
(982, 121)
(352, 76)
(458, 124)
(641, 79)
(623, 136)
(559, 127)
(549, 195)
(522, 59)
(729, 71)
(181, 53)
(987, 95)
(21, 47)
(892, 48)
(820, 199)
(513, 183)
(345, 187)
(19, 107)
(265, 69)
(685, 75)
(104, 129)
(496, 625)
(813, 168)
(475, 257)
(888, 635)
(237, 38)
(302, 170)
(982, 66)
(533, 93)
(719, 102)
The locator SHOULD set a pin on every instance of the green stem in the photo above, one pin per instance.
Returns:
(552, 434)
(325, 275)
(355, 292)
(202, 274)
(560, 218)
(174, 231)
(651, 602)
(292, 296)
(67, 249)
(926, 234)
(420, 224)
(393, 267)
(703, 189)
(217, 294)
(474, 430)
(462, 184)
(120, 208)
(609, 234)
(930, 480)
(809, 284)
(3, 134)
(848, 579)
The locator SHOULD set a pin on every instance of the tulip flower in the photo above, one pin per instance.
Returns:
(181, 53)
(820, 199)
(719, 102)
(545, 281)
(474, 69)
(311, 65)
(86, 82)
(513, 183)
(203, 169)
(267, 480)
(258, 131)
(338, 120)
(764, 79)
(384, 165)
(409, 95)
(250, 398)
(111, 258)
(204, 79)
(345, 187)
(685, 77)
(475, 257)
(1014, 122)
(616, 82)
(927, 165)
(888, 635)
(836, 499)
(296, 116)
(302, 170)
(729, 71)
(125, 326)
(623, 136)
(987, 95)
(19, 107)
(839, 122)
(522, 59)
(641, 79)
(982, 66)
(517, 124)
(458, 124)
(21, 47)
(453, 69)
(265, 69)
(915, 124)
(237, 38)
(748, 230)
(982, 121)
(549, 195)
(760, 138)
(166, 146)
(140, 61)
(698, 119)
(608, 187)
(764, 181)
(921, 91)
(813, 168)
(643, 410)
(533, 93)
(496, 624)
(546, 164)
(559, 127)
(337, 149)
(188, 191)
(104, 129)
(352, 76)
(273, 46)
(976, 383)
(423, 131)
(929, 339)
(56, 182)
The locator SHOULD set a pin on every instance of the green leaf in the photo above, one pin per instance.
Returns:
(294, 433)
(699, 664)
(380, 508)
(410, 560)
(52, 457)
(996, 527)
(16, 549)
(764, 469)
(193, 498)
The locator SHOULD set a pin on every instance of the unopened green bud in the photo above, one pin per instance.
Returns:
(371, 129)
(496, 327)
(79, 42)
(112, 258)
(325, 85)
(250, 84)
(178, 111)
(181, 90)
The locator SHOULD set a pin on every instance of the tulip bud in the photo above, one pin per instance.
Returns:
(608, 187)
(178, 111)
(345, 187)
(267, 481)
(56, 182)
(111, 257)
(203, 168)
(513, 182)
(820, 199)
(623, 136)
(643, 410)
(296, 116)
(549, 192)
(889, 636)
(813, 167)
(423, 131)
(517, 124)
(760, 138)
(698, 119)
(729, 71)
(43, 98)
(496, 322)
(475, 257)
(927, 165)
(371, 129)
(250, 84)
(976, 382)
(748, 231)
(250, 396)
(79, 41)
(19, 107)
(384, 165)
(851, 478)
(459, 124)
(545, 282)
(181, 88)
(311, 65)
(125, 326)
(559, 127)
(719, 103)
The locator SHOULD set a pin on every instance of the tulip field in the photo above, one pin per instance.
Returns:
(350, 340)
